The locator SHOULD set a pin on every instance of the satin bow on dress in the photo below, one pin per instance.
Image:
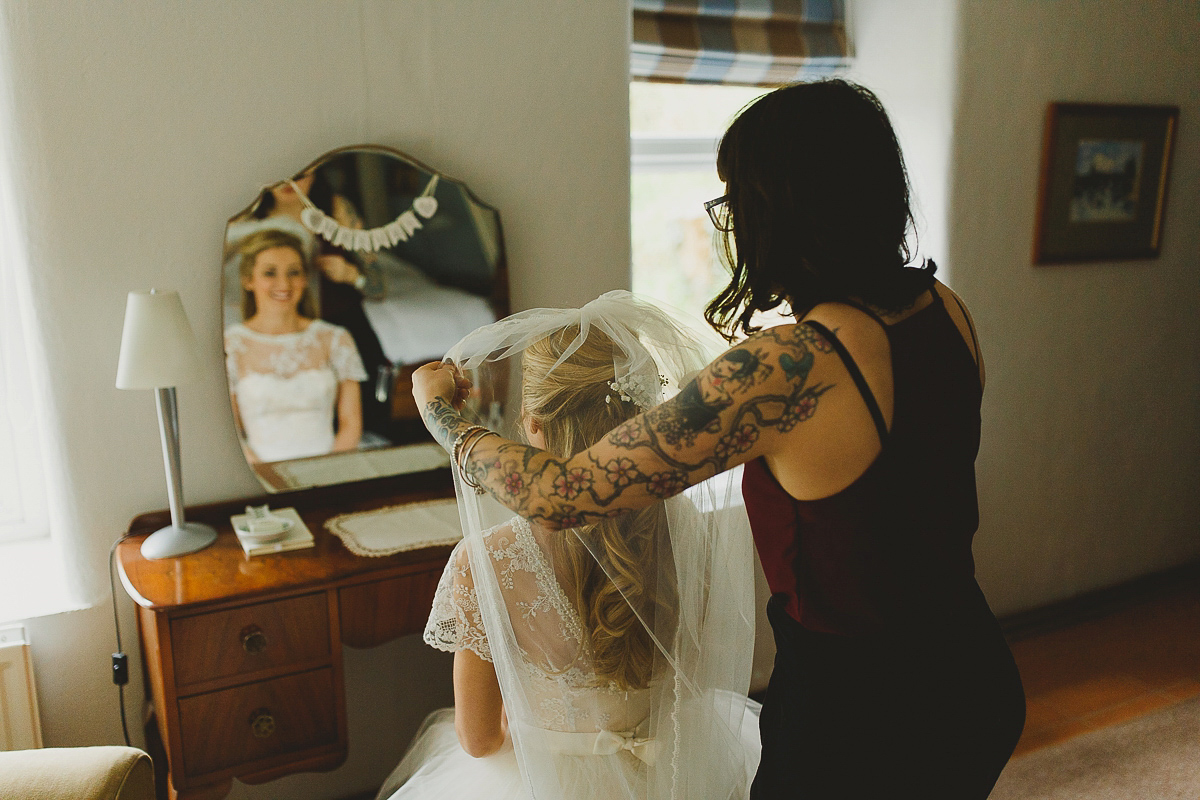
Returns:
(604, 743)
(609, 743)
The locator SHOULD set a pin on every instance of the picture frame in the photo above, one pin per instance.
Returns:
(1102, 193)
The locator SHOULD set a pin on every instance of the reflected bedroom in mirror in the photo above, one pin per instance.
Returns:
(337, 283)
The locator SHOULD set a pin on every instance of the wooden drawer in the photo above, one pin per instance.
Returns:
(255, 722)
(377, 612)
(238, 641)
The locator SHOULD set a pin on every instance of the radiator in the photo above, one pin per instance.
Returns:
(20, 727)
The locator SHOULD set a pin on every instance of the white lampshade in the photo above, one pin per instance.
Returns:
(158, 349)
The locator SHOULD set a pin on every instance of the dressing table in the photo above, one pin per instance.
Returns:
(243, 656)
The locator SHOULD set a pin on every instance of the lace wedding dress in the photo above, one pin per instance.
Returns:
(285, 386)
(597, 736)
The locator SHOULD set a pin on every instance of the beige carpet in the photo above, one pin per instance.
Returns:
(1155, 757)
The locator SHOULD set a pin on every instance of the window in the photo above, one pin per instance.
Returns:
(674, 132)
(693, 66)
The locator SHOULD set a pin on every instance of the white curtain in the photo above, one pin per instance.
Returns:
(38, 529)
(22, 484)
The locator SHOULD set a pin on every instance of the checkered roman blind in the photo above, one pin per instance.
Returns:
(746, 42)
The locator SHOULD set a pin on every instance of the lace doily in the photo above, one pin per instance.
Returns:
(394, 529)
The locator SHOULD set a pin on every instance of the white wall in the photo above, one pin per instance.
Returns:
(145, 125)
(1090, 467)
(905, 53)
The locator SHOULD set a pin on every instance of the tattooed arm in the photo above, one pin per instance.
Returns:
(739, 407)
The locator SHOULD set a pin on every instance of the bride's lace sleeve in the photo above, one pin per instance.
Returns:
(234, 345)
(454, 622)
(344, 357)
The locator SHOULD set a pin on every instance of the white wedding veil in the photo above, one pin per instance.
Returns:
(623, 649)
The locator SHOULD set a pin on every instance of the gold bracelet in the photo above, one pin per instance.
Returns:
(462, 437)
(468, 443)
(466, 453)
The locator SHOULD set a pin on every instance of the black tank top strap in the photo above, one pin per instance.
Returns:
(867, 395)
(937, 300)
(970, 327)
(861, 307)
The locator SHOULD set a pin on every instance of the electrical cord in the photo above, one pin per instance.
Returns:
(120, 662)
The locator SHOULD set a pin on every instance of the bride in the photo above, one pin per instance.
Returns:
(293, 379)
(610, 660)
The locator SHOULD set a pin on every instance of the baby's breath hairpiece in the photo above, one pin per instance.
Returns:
(632, 389)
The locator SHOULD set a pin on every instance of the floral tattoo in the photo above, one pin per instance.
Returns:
(712, 424)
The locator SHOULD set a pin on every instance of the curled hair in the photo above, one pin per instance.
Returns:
(618, 579)
(819, 203)
(248, 251)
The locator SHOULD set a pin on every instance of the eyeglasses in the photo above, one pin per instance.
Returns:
(718, 212)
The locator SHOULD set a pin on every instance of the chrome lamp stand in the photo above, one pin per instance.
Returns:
(180, 537)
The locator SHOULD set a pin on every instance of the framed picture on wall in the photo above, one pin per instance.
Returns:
(1103, 189)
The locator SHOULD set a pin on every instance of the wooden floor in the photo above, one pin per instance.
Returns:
(1139, 657)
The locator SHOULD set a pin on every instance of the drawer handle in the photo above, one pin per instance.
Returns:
(254, 641)
(262, 724)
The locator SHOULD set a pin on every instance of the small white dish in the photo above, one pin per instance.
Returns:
(264, 537)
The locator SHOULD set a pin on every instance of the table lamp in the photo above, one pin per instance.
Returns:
(158, 351)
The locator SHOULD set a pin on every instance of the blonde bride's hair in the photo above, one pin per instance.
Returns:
(576, 407)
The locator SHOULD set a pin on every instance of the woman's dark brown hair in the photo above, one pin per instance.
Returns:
(320, 193)
(819, 206)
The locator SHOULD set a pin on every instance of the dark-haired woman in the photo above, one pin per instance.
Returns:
(858, 427)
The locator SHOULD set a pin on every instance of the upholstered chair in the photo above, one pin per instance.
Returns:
(76, 773)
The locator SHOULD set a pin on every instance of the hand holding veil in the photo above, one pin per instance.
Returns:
(622, 647)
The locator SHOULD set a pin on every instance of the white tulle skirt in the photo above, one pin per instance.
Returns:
(437, 768)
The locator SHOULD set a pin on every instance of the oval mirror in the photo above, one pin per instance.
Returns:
(337, 284)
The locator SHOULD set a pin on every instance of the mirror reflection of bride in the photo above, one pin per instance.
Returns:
(294, 379)
(339, 278)
(605, 661)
